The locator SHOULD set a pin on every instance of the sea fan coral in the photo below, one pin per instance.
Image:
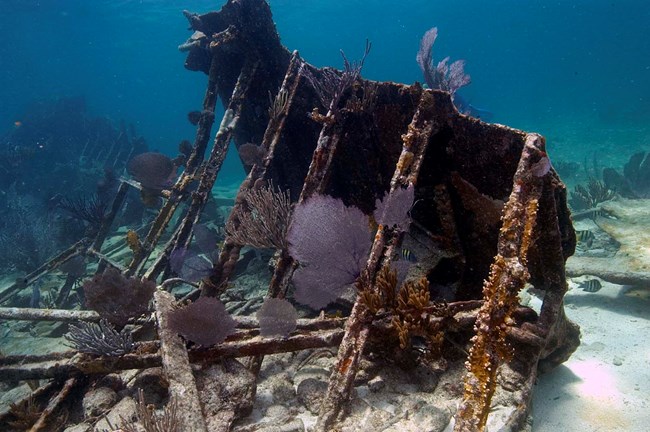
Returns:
(152, 170)
(277, 317)
(444, 76)
(393, 209)
(117, 298)
(331, 241)
(263, 222)
(204, 322)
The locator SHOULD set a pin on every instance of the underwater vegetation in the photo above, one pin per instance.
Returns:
(596, 192)
(204, 321)
(100, 339)
(58, 174)
(167, 421)
(635, 180)
(117, 298)
(441, 76)
(263, 222)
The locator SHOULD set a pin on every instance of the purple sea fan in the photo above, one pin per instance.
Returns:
(152, 170)
(277, 317)
(205, 322)
(117, 298)
(331, 241)
(393, 208)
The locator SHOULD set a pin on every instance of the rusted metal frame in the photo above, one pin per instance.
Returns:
(247, 329)
(104, 260)
(65, 315)
(508, 275)
(319, 168)
(178, 191)
(552, 331)
(227, 260)
(54, 403)
(285, 265)
(341, 382)
(310, 334)
(29, 314)
(49, 387)
(79, 248)
(109, 218)
(209, 170)
(84, 365)
(215, 285)
(204, 127)
(177, 369)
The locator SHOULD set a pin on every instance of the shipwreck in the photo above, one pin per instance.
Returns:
(487, 204)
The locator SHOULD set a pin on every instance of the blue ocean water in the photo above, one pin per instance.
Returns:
(576, 71)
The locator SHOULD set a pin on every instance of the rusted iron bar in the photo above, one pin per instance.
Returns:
(341, 381)
(177, 369)
(508, 274)
(84, 365)
(65, 315)
(179, 189)
(55, 402)
(104, 260)
(34, 314)
(53, 264)
(109, 218)
(210, 170)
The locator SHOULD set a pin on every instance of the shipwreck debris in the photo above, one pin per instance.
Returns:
(374, 137)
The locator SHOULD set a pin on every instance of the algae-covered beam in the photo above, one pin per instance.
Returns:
(46, 419)
(229, 254)
(508, 275)
(207, 176)
(177, 369)
(341, 381)
(179, 190)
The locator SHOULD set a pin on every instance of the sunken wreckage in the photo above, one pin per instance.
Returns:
(492, 222)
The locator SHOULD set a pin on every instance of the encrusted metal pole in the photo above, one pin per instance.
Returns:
(508, 275)
(230, 252)
(341, 382)
(208, 173)
(74, 250)
(179, 189)
(176, 366)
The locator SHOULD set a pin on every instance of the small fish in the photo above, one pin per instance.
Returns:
(585, 236)
(18, 124)
(407, 255)
(591, 286)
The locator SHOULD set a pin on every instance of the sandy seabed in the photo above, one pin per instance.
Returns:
(605, 385)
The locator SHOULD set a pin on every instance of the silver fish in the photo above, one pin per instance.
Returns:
(591, 286)
(585, 236)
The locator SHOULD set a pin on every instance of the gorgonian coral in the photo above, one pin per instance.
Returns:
(117, 298)
(152, 170)
(204, 322)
